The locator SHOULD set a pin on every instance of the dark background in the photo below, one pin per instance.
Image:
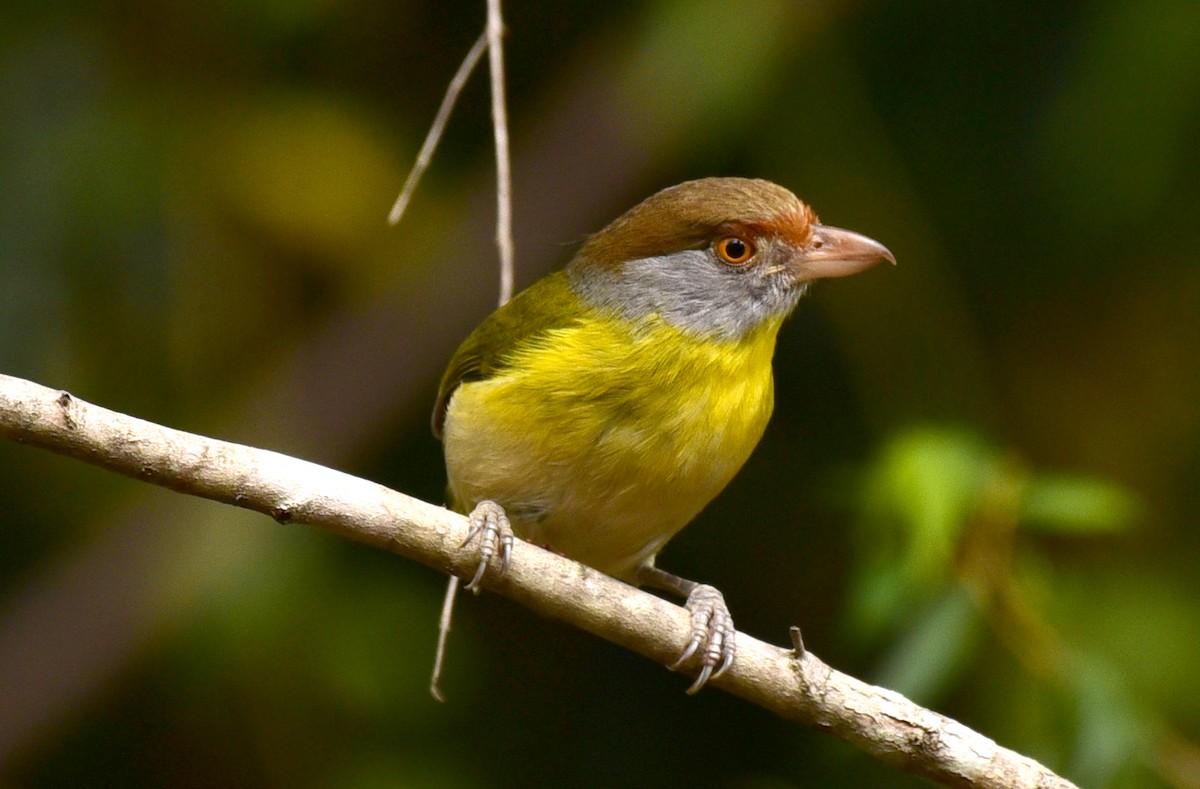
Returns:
(980, 486)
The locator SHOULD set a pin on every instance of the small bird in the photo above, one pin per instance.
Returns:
(600, 410)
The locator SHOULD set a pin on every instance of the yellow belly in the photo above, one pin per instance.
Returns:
(605, 440)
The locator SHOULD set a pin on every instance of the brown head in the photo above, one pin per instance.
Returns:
(717, 255)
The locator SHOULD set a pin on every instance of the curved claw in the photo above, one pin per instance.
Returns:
(688, 651)
(701, 679)
(712, 629)
(490, 524)
(473, 584)
(727, 655)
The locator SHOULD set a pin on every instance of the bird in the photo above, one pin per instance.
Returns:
(601, 409)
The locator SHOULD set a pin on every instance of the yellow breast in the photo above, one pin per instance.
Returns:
(604, 439)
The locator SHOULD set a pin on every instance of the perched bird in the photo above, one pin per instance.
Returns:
(600, 410)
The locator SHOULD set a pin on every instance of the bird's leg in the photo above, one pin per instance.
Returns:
(713, 633)
(490, 524)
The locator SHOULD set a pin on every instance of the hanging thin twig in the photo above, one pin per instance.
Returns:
(492, 39)
(504, 240)
(425, 156)
(439, 655)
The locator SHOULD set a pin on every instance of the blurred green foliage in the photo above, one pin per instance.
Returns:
(980, 487)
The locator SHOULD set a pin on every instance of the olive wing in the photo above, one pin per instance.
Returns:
(547, 305)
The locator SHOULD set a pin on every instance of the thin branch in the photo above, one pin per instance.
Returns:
(439, 655)
(504, 239)
(795, 686)
(492, 39)
(494, 34)
(425, 156)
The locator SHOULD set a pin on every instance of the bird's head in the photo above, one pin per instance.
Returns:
(719, 256)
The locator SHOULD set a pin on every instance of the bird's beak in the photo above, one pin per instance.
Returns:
(834, 252)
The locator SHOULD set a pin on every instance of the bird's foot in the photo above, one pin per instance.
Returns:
(490, 524)
(713, 635)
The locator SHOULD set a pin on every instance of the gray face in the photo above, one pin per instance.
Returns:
(694, 290)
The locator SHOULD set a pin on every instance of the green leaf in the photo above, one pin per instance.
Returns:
(1115, 731)
(927, 658)
(931, 480)
(1077, 504)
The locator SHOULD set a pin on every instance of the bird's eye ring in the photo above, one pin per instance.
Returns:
(734, 250)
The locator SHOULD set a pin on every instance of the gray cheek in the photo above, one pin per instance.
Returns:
(692, 291)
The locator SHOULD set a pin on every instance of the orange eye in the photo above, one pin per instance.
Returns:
(734, 251)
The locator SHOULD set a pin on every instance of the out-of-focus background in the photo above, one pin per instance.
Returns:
(980, 487)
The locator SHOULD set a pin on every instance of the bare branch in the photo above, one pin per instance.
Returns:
(425, 156)
(494, 34)
(504, 239)
(795, 686)
(439, 655)
(493, 39)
